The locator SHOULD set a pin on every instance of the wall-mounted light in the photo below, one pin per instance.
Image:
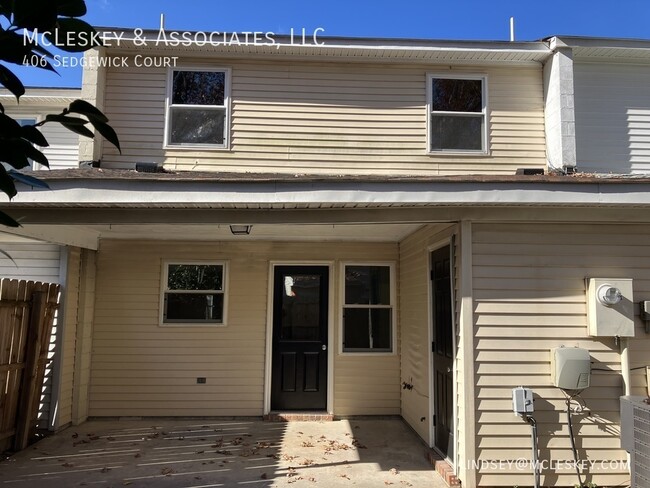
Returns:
(240, 230)
(609, 295)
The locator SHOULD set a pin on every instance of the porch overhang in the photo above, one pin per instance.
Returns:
(95, 204)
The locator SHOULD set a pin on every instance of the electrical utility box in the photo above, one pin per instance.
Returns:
(522, 400)
(570, 368)
(610, 307)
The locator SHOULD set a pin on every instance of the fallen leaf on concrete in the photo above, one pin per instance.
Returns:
(93, 437)
(224, 452)
(75, 435)
(344, 476)
(264, 476)
(358, 445)
(291, 472)
(307, 444)
(67, 465)
(405, 483)
(393, 471)
(306, 462)
(200, 452)
(126, 483)
(167, 471)
(137, 455)
(286, 457)
(388, 483)
(312, 479)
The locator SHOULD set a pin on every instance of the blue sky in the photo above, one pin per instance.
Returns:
(427, 19)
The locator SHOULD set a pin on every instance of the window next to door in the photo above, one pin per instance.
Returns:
(193, 293)
(368, 316)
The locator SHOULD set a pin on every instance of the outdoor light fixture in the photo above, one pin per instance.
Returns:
(609, 295)
(240, 230)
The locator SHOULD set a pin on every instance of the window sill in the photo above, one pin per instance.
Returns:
(366, 354)
(195, 147)
(459, 153)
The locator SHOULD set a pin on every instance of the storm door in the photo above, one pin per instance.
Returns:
(299, 363)
(443, 350)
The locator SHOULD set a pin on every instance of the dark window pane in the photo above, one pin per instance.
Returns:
(199, 88)
(301, 308)
(457, 95)
(367, 285)
(367, 328)
(190, 126)
(457, 132)
(190, 307)
(194, 277)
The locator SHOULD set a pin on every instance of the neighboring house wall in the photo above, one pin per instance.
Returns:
(529, 296)
(306, 117)
(140, 368)
(612, 112)
(63, 149)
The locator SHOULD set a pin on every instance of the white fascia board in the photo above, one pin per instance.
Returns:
(151, 193)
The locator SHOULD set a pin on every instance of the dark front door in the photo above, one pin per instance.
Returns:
(443, 350)
(299, 365)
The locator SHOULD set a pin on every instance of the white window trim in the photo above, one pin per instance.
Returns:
(485, 113)
(163, 290)
(167, 144)
(393, 304)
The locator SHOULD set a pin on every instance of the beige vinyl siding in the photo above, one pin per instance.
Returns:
(63, 151)
(140, 368)
(68, 350)
(612, 111)
(415, 324)
(328, 118)
(83, 344)
(529, 296)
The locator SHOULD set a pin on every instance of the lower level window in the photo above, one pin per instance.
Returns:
(368, 309)
(194, 293)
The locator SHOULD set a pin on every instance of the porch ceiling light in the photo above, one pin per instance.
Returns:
(240, 230)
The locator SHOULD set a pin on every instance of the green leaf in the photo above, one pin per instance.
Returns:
(8, 221)
(35, 155)
(8, 256)
(13, 48)
(12, 154)
(65, 120)
(32, 134)
(71, 8)
(84, 108)
(35, 14)
(28, 180)
(108, 133)
(7, 183)
(81, 33)
(11, 82)
(79, 129)
(9, 128)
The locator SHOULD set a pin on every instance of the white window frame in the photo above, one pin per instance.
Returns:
(226, 107)
(393, 305)
(485, 143)
(224, 292)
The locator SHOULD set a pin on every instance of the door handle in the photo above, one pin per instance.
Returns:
(448, 370)
(324, 347)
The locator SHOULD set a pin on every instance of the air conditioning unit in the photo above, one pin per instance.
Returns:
(635, 437)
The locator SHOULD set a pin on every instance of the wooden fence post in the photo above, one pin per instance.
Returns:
(30, 390)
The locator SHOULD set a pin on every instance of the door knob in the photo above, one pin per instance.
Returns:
(324, 347)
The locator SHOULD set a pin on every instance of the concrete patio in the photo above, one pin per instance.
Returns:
(211, 453)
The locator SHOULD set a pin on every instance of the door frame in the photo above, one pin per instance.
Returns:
(268, 363)
(449, 241)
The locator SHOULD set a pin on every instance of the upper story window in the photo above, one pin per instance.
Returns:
(197, 108)
(457, 113)
(194, 293)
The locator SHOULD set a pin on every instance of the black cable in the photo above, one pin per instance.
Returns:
(573, 441)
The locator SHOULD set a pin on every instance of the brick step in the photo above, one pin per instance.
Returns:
(299, 417)
(443, 468)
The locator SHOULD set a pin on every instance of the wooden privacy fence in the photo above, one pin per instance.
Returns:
(27, 312)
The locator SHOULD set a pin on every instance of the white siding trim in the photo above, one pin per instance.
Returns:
(468, 443)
